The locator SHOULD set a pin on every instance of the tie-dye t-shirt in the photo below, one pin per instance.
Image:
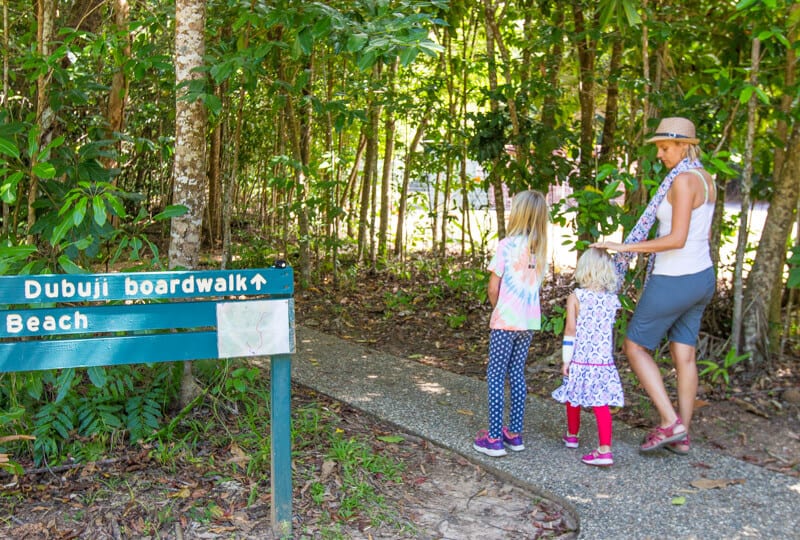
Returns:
(520, 277)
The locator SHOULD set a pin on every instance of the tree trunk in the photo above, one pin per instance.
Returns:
(495, 180)
(401, 211)
(190, 153)
(612, 104)
(370, 159)
(214, 208)
(553, 67)
(770, 256)
(45, 117)
(386, 178)
(747, 185)
(230, 179)
(586, 59)
(117, 96)
(781, 133)
(4, 100)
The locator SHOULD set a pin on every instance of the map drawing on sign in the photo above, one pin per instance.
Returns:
(259, 327)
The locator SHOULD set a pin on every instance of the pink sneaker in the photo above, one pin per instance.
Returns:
(599, 459)
(570, 441)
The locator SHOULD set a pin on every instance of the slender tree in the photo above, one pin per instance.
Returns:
(190, 151)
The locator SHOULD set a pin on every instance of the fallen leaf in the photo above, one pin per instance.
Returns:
(391, 439)
(465, 412)
(719, 483)
(239, 456)
(327, 469)
(182, 493)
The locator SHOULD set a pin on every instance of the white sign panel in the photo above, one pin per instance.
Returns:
(256, 328)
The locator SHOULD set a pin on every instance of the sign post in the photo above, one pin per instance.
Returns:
(90, 320)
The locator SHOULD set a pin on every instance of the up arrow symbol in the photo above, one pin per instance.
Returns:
(258, 280)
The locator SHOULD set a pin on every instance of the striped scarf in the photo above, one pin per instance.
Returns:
(642, 228)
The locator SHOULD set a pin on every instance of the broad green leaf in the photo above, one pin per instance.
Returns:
(33, 145)
(97, 375)
(744, 4)
(408, 55)
(64, 383)
(99, 209)
(55, 143)
(70, 267)
(118, 207)
(60, 230)
(356, 42)
(794, 279)
(80, 211)
(44, 170)
(175, 210)
(8, 190)
(762, 96)
(306, 40)
(631, 14)
(8, 148)
(747, 91)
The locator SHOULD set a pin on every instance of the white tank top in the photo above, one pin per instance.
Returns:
(695, 255)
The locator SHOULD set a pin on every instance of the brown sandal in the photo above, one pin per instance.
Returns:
(660, 436)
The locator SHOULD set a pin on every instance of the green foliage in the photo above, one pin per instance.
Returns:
(794, 269)
(470, 282)
(720, 372)
(66, 410)
(556, 321)
(593, 211)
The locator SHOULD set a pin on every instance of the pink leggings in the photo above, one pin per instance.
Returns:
(601, 414)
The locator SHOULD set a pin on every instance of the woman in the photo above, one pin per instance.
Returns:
(681, 284)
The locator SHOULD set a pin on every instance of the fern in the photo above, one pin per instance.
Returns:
(52, 425)
(143, 417)
(97, 404)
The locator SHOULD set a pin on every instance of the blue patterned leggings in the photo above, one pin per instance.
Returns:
(508, 350)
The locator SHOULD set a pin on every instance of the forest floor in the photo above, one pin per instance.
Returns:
(758, 423)
(134, 495)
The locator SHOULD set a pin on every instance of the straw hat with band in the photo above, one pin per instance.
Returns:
(675, 129)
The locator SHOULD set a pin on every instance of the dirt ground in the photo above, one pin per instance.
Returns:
(131, 496)
(442, 496)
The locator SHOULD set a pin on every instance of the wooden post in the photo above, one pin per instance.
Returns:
(280, 425)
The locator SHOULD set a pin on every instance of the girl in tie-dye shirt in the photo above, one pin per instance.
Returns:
(517, 270)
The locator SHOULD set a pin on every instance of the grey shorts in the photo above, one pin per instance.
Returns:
(671, 306)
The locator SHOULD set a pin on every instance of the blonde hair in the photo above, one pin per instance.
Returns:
(595, 271)
(529, 217)
(693, 152)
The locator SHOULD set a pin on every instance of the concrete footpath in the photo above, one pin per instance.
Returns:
(633, 499)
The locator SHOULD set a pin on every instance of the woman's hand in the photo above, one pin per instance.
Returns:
(613, 246)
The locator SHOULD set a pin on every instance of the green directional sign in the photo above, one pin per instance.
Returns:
(144, 285)
(86, 320)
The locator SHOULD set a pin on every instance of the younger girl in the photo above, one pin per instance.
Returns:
(517, 270)
(590, 376)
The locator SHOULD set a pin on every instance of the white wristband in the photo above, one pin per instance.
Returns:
(567, 348)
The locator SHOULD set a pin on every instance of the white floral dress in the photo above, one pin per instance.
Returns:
(593, 378)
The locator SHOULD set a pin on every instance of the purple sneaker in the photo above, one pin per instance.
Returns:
(512, 443)
(486, 445)
(570, 441)
(599, 459)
